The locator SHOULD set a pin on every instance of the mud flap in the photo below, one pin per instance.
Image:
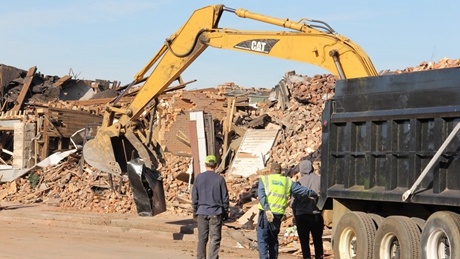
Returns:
(147, 187)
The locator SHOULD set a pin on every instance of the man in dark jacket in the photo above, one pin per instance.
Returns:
(307, 215)
(210, 204)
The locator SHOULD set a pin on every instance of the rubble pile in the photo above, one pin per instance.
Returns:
(32, 87)
(176, 184)
(442, 63)
(71, 184)
(302, 120)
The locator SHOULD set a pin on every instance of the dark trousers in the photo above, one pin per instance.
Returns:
(313, 223)
(209, 227)
(267, 236)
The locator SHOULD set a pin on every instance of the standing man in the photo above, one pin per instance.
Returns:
(274, 191)
(210, 208)
(307, 215)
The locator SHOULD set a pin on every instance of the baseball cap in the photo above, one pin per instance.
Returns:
(210, 159)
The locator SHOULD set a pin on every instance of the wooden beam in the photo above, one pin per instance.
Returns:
(183, 138)
(240, 131)
(227, 127)
(62, 80)
(100, 101)
(25, 88)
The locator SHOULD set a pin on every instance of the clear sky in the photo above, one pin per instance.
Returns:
(114, 39)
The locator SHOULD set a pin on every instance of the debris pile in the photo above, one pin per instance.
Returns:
(302, 120)
(30, 87)
(297, 112)
(442, 63)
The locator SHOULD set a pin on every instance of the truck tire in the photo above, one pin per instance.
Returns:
(420, 222)
(441, 236)
(376, 218)
(354, 236)
(397, 237)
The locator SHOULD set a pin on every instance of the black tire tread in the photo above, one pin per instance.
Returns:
(369, 228)
(364, 228)
(453, 224)
(414, 235)
(405, 230)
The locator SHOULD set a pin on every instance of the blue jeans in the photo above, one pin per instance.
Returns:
(209, 227)
(267, 236)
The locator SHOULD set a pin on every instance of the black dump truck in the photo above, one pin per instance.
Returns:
(390, 167)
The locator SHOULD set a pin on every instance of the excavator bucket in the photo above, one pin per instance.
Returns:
(99, 153)
(147, 186)
(108, 155)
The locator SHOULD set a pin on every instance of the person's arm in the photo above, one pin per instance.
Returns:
(298, 189)
(262, 196)
(293, 202)
(195, 197)
(225, 198)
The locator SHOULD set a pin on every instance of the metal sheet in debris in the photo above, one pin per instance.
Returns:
(10, 174)
(253, 151)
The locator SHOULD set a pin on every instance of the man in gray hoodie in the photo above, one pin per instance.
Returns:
(307, 215)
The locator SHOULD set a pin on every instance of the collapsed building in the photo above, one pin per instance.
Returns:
(28, 113)
(245, 127)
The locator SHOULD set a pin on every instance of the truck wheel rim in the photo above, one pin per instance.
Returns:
(390, 248)
(347, 245)
(438, 245)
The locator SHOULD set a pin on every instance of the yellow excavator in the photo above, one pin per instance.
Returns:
(124, 143)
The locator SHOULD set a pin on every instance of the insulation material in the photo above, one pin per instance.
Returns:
(251, 155)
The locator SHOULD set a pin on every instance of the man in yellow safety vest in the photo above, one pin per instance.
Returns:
(274, 191)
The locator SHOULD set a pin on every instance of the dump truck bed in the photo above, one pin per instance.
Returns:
(379, 134)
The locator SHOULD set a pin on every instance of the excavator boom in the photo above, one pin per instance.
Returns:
(122, 137)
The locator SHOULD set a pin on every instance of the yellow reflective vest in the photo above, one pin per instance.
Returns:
(277, 191)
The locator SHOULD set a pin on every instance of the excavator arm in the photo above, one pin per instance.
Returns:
(122, 137)
(304, 43)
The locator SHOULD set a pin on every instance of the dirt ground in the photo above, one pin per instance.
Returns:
(27, 237)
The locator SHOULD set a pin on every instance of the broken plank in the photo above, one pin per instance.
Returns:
(5, 193)
(25, 88)
(239, 237)
(62, 80)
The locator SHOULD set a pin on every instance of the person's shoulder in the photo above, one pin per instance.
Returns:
(309, 176)
(205, 174)
(198, 176)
